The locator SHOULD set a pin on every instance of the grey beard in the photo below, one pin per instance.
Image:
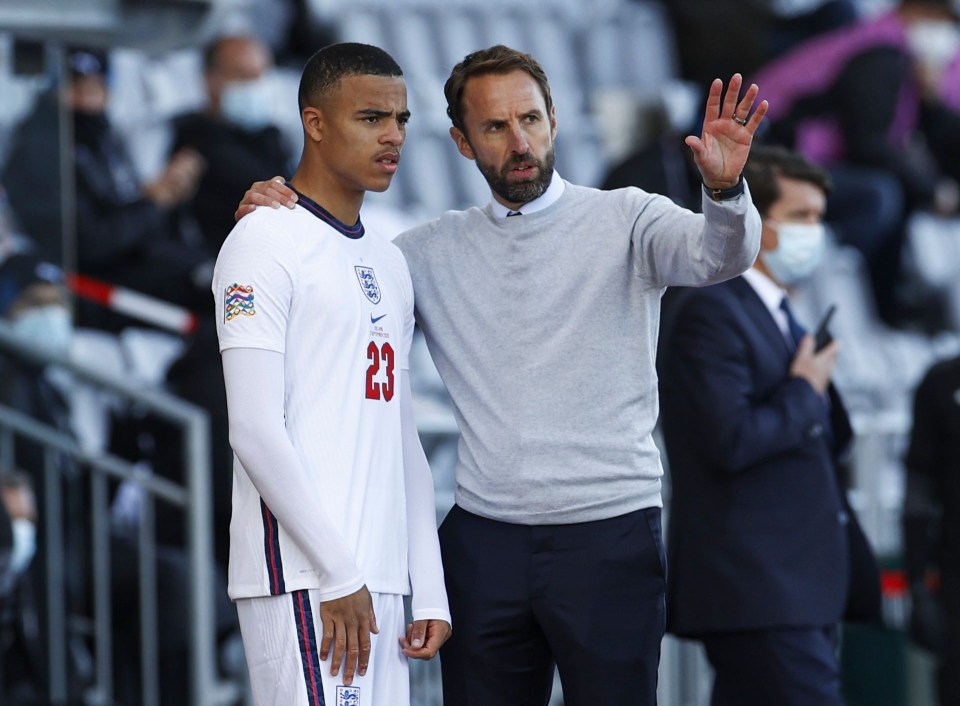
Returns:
(520, 192)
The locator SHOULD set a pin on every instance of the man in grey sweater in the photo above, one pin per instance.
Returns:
(541, 311)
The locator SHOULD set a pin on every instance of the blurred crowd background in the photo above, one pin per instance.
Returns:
(129, 131)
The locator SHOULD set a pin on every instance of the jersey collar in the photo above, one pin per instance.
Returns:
(355, 231)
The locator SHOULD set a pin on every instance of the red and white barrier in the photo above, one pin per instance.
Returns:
(134, 304)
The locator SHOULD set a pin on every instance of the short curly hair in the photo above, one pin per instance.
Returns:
(327, 66)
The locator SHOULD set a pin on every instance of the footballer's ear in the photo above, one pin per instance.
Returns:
(463, 144)
(312, 119)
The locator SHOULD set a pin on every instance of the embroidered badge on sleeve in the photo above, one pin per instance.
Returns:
(238, 301)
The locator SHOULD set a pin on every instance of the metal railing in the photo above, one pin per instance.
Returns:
(195, 499)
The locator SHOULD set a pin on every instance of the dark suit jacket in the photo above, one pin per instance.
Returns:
(758, 523)
(235, 158)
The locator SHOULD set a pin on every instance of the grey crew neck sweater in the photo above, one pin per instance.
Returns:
(544, 329)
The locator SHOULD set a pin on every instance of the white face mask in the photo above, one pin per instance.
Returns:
(24, 544)
(934, 43)
(249, 104)
(799, 250)
(48, 327)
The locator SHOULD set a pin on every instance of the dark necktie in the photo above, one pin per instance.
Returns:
(513, 213)
(797, 331)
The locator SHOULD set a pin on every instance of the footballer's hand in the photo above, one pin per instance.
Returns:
(273, 193)
(347, 625)
(424, 638)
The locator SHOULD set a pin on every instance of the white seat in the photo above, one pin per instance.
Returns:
(427, 174)
(631, 47)
(361, 25)
(934, 247)
(412, 38)
(461, 34)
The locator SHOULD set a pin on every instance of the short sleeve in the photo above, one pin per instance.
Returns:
(253, 285)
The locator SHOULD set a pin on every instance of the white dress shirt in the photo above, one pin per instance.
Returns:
(547, 198)
(771, 294)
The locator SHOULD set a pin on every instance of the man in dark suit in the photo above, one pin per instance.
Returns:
(760, 543)
(235, 133)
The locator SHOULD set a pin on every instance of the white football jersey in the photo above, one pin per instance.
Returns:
(337, 302)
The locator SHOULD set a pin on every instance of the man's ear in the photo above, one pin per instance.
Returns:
(462, 143)
(312, 119)
(769, 239)
(553, 122)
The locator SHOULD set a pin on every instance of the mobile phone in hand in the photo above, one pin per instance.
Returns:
(823, 337)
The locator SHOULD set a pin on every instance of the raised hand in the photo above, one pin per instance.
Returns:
(728, 129)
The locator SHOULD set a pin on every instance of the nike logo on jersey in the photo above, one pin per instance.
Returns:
(374, 320)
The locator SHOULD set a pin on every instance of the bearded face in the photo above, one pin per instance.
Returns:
(522, 179)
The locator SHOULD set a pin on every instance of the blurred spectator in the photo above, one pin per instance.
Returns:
(197, 377)
(293, 29)
(765, 554)
(763, 29)
(11, 241)
(235, 135)
(662, 163)
(126, 232)
(931, 522)
(18, 529)
(876, 102)
(795, 21)
(33, 306)
(18, 545)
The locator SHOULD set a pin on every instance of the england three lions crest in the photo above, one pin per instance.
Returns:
(348, 696)
(368, 283)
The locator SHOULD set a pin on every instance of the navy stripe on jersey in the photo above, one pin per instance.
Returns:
(271, 550)
(307, 637)
(355, 231)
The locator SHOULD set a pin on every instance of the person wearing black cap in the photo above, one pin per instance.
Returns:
(33, 303)
(127, 233)
(33, 306)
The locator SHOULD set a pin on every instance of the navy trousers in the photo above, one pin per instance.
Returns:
(586, 597)
(785, 667)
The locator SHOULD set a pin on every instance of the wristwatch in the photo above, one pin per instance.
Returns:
(731, 192)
